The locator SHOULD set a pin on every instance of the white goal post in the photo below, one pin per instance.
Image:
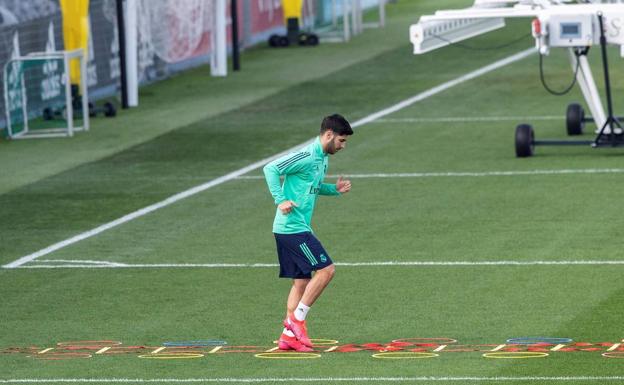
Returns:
(40, 101)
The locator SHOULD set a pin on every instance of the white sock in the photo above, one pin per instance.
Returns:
(301, 312)
(288, 333)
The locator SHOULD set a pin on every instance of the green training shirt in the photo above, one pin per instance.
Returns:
(303, 172)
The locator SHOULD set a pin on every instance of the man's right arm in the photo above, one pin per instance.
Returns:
(288, 164)
(272, 176)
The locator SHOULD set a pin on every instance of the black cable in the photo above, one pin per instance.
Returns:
(577, 53)
(482, 48)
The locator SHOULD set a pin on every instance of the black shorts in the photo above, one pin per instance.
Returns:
(300, 254)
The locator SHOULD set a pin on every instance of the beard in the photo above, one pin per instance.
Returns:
(331, 148)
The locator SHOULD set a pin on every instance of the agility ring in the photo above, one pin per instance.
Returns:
(287, 356)
(97, 343)
(197, 343)
(404, 355)
(319, 342)
(515, 355)
(538, 340)
(171, 356)
(61, 356)
(428, 340)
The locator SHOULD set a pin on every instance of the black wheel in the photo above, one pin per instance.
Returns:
(109, 110)
(283, 41)
(313, 39)
(47, 114)
(524, 140)
(575, 116)
(274, 41)
(303, 38)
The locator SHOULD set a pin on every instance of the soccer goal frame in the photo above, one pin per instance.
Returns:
(18, 64)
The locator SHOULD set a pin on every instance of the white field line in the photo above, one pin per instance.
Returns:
(468, 119)
(141, 212)
(65, 264)
(84, 262)
(467, 174)
(222, 179)
(311, 379)
(447, 85)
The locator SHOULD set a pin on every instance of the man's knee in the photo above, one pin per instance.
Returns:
(328, 271)
(300, 284)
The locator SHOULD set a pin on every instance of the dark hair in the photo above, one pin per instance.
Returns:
(337, 123)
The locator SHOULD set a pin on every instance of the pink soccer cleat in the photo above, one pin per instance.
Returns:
(299, 329)
(291, 343)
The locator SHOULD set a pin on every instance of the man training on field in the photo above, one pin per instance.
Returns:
(298, 250)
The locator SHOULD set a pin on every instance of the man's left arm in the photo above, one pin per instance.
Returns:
(341, 187)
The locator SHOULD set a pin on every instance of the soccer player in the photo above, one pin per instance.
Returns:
(298, 250)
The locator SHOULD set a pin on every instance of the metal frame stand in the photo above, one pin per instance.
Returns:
(613, 138)
(608, 134)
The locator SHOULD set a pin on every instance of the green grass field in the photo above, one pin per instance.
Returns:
(447, 241)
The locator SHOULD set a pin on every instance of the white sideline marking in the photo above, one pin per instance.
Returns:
(141, 212)
(454, 119)
(310, 379)
(222, 179)
(444, 86)
(468, 174)
(83, 262)
(346, 264)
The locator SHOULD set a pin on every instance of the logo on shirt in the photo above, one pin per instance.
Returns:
(315, 190)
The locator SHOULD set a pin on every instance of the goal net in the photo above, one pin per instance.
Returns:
(179, 34)
(39, 99)
(340, 20)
